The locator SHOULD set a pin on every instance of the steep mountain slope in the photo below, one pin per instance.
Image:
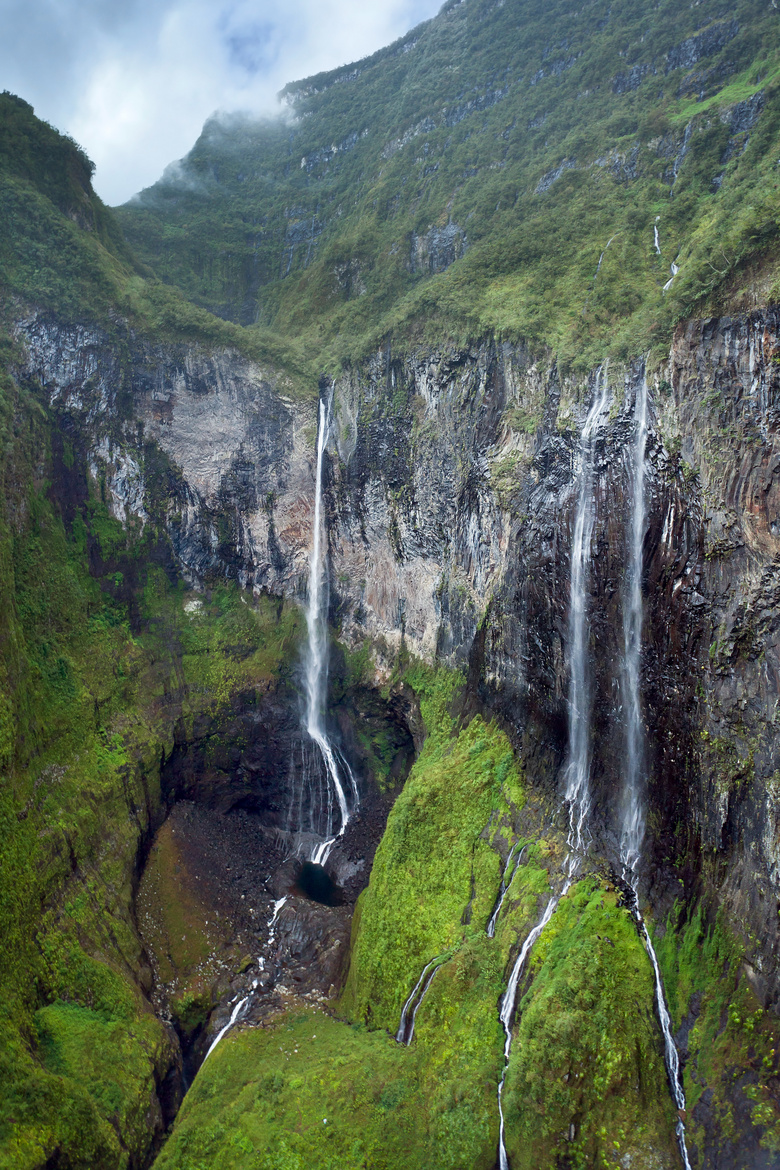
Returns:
(100, 661)
(449, 267)
(476, 174)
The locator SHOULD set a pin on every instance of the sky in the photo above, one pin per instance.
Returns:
(133, 81)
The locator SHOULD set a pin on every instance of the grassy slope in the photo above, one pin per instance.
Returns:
(587, 1049)
(459, 122)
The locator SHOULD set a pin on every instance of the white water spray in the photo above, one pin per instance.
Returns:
(316, 665)
(508, 1004)
(656, 240)
(633, 826)
(580, 698)
(506, 881)
(236, 1013)
(674, 268)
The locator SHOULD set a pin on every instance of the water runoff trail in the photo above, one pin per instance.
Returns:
(633, 818)
(341, 797)
(578, 764)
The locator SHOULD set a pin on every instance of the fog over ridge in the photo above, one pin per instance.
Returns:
(133, 84)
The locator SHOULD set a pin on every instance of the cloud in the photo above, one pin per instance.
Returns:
(134, 82)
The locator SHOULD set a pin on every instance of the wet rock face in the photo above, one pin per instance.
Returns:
(726, 387)
(450, 496)
(205, 445)
(519, 662)
(244, 758)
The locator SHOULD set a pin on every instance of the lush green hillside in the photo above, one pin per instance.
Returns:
(62, 250)
(522, 141)
(94, 644)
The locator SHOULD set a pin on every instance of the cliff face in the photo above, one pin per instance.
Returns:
(206, 441)
(450, 491)
(725, 384)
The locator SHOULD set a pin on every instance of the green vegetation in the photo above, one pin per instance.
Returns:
(96, 667)
(434, 869)
(310, 1091)
(587, 1051)
(546, 138)
(486, 181)
(62, 251)
(733, 1043)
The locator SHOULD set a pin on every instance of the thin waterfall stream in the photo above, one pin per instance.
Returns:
(315, 685)
(633, 819)
(578, 763)
(405, 1033)
(506, 882)
(580, 688)
(316, 664)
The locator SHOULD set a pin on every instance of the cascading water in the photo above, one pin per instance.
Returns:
(577, 770)
(405, 1033)
(506, 881)
(633, 822)
(234, 1016)
(316, 668)
(633, 827)
(508, 1001)
(580, 699)
(315, 678)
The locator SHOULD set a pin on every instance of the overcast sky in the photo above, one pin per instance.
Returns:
(133, 80)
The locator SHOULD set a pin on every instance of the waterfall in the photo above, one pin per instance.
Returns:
(316, 665)
(235, 1014)
(671, 1057)
(508, 1002)
(633, 822)
(577, 770)
(506, 882)
(633, 827)
(405, 1033)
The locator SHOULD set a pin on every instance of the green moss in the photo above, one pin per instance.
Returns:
(587, 1050)
(733, 1043)
(107, 1056)
(435, 867)
(303, 1092)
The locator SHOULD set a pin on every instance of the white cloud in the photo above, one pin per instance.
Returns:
(133, 82)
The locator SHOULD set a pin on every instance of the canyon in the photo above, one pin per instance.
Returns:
(390, 654)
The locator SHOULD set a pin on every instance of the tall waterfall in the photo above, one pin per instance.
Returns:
(577, 771)
(316, 666)
(633, 820)
(316, 681)
(633, 826)
(580, 691)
